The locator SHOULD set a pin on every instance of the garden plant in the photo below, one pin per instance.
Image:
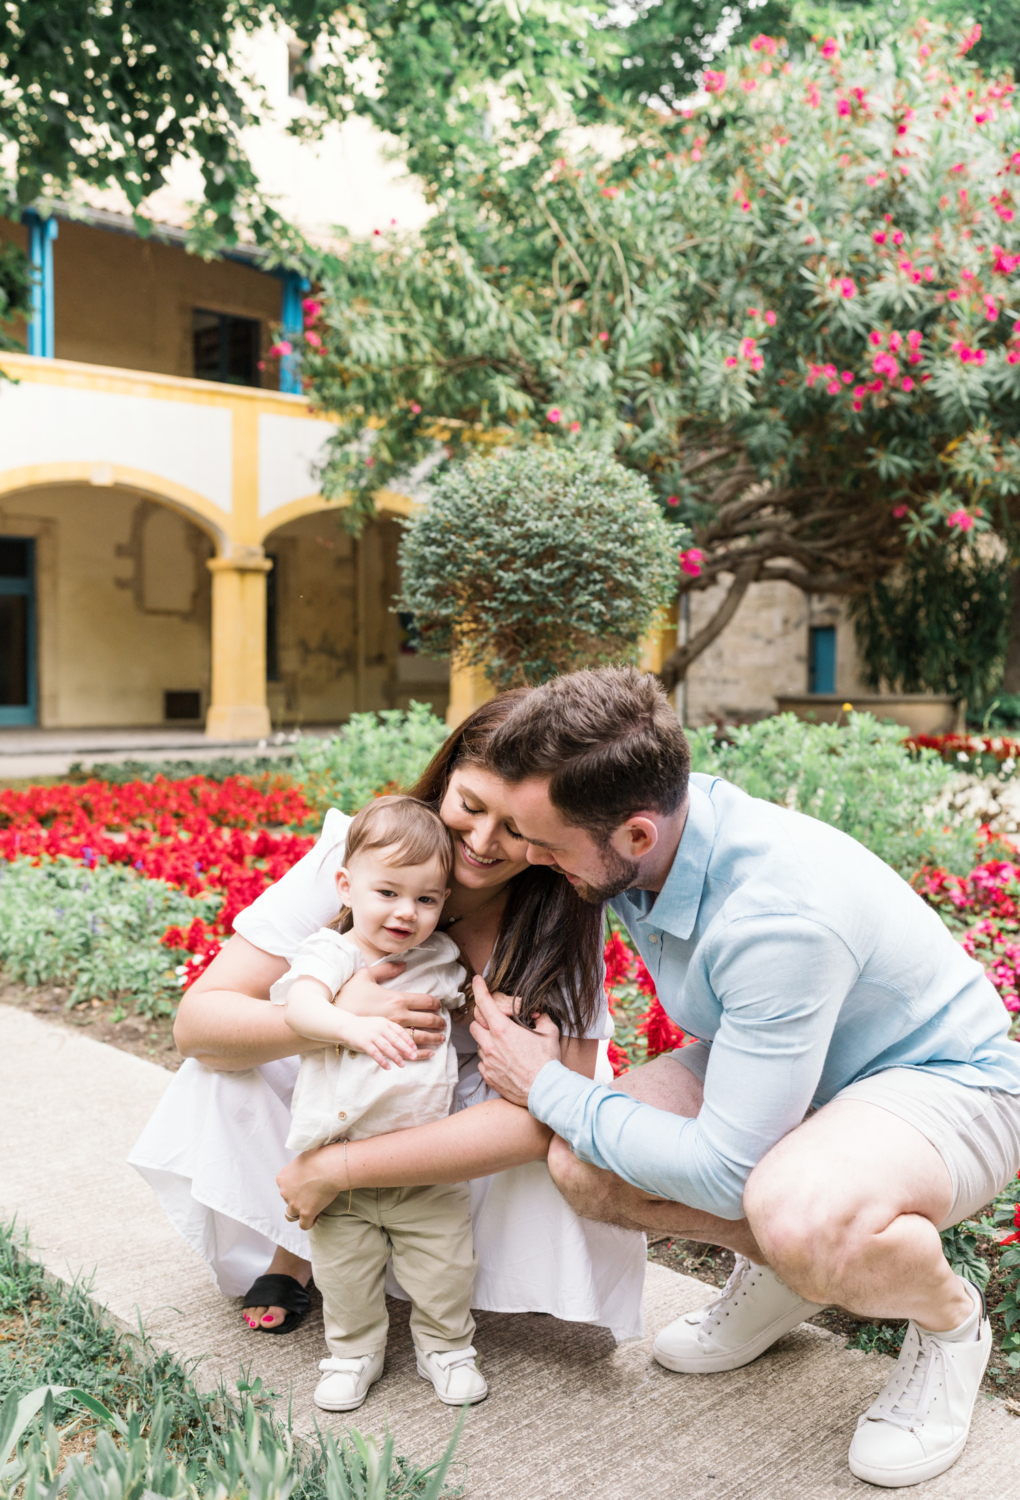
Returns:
(790, 304)
(536, 561)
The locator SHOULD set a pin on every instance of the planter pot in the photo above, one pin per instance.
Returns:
(921, 713)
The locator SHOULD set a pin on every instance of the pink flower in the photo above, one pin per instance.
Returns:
(898, 237)
(970, 39)
(748, 85)
(884, 364)
(899, 511)
(691, 560)
(763, 43)
(603, 338)
(1013, 357)
(929, 273)
(991, 310)
(847, 287)
(747, 348)
(672, 499)
(280, 350)
(812, 97)
(752, 312)
(879, 236)
(876, 338)
(757, 362)
(894, 341)
(731, 360)
(960, 519)
(859, 391)
(830, 48)
(610, 192)
(715, 83)
(1003, 262)
(833, 387)
(745, 206)
(575, 427)
(313, 339)
(847, 377)
(554, 416)
(770, 317)
(415, 409)
(370, 462)
(311, 309)
(843, 107)
(908, 384)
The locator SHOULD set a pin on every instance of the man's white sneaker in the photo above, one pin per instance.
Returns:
(345, 1382)
(453, 1372)
(753, 1309)
(918, 1426)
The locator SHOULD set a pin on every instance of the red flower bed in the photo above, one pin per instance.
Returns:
(986, 904)
(197, 834)
(958, 748)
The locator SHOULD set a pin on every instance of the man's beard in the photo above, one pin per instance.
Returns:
(618, 875)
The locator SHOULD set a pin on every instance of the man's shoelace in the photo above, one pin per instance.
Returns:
(905, 1400)
(711, 1314)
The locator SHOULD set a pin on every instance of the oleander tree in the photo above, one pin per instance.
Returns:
(536, 561)
(791, 305)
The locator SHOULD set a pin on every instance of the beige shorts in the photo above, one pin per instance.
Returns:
(975, 1131)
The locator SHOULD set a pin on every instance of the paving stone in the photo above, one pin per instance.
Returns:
(570, 1413)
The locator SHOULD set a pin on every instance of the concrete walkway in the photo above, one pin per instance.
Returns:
(569, 1414)
(51, 752)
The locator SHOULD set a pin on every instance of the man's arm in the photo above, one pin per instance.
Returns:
(781, 981)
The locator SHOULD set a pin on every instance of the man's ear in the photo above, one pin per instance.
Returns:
(637, 837)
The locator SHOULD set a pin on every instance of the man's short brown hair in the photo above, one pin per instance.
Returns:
(608, 742)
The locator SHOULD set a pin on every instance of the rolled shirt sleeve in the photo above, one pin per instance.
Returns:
(781, 982)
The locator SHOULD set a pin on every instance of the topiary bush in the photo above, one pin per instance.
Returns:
(537, 561)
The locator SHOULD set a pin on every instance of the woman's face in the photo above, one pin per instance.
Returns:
(488, 850)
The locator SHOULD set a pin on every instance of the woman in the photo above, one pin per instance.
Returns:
(216, 1142)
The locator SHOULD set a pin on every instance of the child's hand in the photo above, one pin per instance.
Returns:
(384, 1041)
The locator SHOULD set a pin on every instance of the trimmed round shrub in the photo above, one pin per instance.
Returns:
(537, 561)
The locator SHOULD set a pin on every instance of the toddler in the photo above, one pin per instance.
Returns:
(391, 888)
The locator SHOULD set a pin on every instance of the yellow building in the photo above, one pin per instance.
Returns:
(165, 553)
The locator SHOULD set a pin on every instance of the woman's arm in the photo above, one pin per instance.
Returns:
(475, 1142)
(226, 1022)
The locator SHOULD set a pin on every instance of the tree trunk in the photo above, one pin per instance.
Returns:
(1011, 671)
(674, 668)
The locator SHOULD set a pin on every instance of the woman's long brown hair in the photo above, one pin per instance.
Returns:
(549, 947)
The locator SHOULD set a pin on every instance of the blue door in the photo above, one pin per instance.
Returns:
(822, 659)
(17, 630)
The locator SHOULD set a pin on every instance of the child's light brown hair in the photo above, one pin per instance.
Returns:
(408, 828)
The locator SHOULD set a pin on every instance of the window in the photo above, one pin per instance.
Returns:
(185, 705)
(17, 631)
(226, 348)
(822, 659)
(272, 619)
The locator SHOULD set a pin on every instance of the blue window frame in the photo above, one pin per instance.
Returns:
(17, 630)
(822, 659)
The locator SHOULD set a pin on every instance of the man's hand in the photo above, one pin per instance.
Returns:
(510, 1057)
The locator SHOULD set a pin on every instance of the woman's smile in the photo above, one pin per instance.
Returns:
(476, 859)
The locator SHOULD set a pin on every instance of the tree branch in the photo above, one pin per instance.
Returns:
(674, 668)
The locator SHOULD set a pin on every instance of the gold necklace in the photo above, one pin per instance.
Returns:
(450, 921)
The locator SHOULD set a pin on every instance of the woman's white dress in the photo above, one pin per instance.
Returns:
(216, 1141)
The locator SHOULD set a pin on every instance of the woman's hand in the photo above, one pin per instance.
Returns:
(364, 995)
(307, 1184)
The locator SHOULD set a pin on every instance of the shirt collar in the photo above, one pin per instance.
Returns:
(675, 908)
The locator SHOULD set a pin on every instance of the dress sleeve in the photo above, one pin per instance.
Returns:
(321, 956)
(301, 901)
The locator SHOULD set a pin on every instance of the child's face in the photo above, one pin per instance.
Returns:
(394, 906)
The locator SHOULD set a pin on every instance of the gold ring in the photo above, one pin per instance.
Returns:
(292, 1218)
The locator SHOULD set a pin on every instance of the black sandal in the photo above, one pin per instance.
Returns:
(274, 1290)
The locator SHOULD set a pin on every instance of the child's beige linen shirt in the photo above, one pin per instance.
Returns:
(341, 1094)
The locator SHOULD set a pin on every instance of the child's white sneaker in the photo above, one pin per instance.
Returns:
(345, 1382)
(453, 1372)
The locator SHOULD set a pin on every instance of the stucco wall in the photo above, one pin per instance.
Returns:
(128, 302)
(763, 651)
(338, 656)
(122, 604)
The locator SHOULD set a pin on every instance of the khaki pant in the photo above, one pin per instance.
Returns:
(428, 1230)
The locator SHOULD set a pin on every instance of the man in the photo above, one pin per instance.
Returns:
(852, 1092)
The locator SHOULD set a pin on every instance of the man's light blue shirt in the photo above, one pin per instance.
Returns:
(806, 963)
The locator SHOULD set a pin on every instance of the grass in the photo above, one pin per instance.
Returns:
(135, 1422)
